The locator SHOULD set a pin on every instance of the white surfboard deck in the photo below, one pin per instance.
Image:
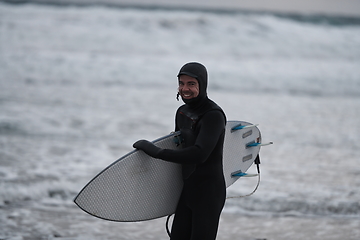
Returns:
(138, 187)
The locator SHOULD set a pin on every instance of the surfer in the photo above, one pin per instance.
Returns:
(202, 125)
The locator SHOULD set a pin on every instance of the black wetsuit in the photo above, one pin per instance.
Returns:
(202, 125)
(203, 196)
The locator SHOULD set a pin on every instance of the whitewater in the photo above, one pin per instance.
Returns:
(79, 85)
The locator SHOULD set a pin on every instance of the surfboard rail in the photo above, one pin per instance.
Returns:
(137, 187)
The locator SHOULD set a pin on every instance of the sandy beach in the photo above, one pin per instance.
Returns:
(55, 223)
(346, 8)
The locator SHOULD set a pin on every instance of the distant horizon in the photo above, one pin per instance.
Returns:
(344, 8)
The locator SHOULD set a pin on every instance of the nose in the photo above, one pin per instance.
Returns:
(186, 87)
(183, 88)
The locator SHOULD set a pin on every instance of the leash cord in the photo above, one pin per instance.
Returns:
(257, 185)
(257, 162)
(167, 225)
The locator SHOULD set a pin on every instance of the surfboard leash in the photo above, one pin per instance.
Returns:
(167, 225)
(257, 162)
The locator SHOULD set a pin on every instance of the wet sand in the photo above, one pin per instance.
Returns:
(324, 7)
(70, 223)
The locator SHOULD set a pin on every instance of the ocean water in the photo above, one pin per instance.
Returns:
(79, 85)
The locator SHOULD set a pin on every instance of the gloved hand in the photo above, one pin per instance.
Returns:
(148, 147)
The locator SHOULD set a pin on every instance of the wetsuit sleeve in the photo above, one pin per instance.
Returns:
(211, 129)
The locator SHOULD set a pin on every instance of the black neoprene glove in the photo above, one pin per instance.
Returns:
(148, 147)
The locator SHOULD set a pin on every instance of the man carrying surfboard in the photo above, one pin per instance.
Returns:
(202, 125)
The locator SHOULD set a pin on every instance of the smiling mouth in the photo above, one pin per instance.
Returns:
(187, 95)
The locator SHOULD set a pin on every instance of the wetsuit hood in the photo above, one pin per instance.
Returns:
(198, 71)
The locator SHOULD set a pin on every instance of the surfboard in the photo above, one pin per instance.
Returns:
(137, 187)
